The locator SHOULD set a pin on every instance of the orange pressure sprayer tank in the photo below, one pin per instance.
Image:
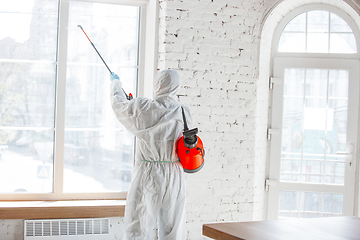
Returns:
(192, 159)
(190, 149)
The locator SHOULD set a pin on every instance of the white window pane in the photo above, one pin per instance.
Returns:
(312, 169)
(316, 83)
(338, 25)
(295, 81)
(292, 139)
(290, 167)
(112, 28)
(297, 24)
(335, 168)
(338, 100)
(30, 31)
(314, 125)
(292, 124)
(340, 116)
(310, 206)
(292, 42)
(98, 149)
(340, 123)
(317, 32)
(342, 43)
(317, 42)
(288, 204)
(295, 204)
(318, 21)
(97, 161)
(338, 84)
(87, 96)
(27, 94)
(292, 136)
(287, 167)
(333, 204)
(318, 118)
(26, 162)
(312, 144)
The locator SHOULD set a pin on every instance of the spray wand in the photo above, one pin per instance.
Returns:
(128, 97)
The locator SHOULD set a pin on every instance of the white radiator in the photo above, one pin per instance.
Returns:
(61, 229)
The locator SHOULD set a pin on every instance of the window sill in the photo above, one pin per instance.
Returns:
(62, 209)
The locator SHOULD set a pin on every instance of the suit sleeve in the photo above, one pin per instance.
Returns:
(129, 113)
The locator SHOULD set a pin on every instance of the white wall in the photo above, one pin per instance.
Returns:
(203, 39)
(11, 229)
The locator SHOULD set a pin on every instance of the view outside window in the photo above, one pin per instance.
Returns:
(314, 125)
(27, 94)
(98, 151)
(295, 204)
(317, 32)
(314, 130)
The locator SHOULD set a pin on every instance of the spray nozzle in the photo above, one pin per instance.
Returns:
(190, 138)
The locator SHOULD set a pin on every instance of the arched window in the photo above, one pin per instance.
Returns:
(314, 111)
(317, 31)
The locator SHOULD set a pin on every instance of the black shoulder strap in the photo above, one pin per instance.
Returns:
(184, 119)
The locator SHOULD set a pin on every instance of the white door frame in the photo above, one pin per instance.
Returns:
(349, 189)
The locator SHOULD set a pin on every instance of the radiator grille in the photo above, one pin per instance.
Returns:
(35, 229)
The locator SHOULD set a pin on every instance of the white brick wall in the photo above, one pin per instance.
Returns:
(203, 39)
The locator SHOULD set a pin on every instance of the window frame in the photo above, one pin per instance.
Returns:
(352, 59)
(313, 7)
(147, 54)
(350, 181)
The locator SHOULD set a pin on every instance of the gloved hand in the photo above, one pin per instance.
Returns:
(114, 76)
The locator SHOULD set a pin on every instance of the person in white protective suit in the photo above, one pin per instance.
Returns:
(157, 190)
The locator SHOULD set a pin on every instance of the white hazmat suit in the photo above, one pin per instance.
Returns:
(157, 190)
